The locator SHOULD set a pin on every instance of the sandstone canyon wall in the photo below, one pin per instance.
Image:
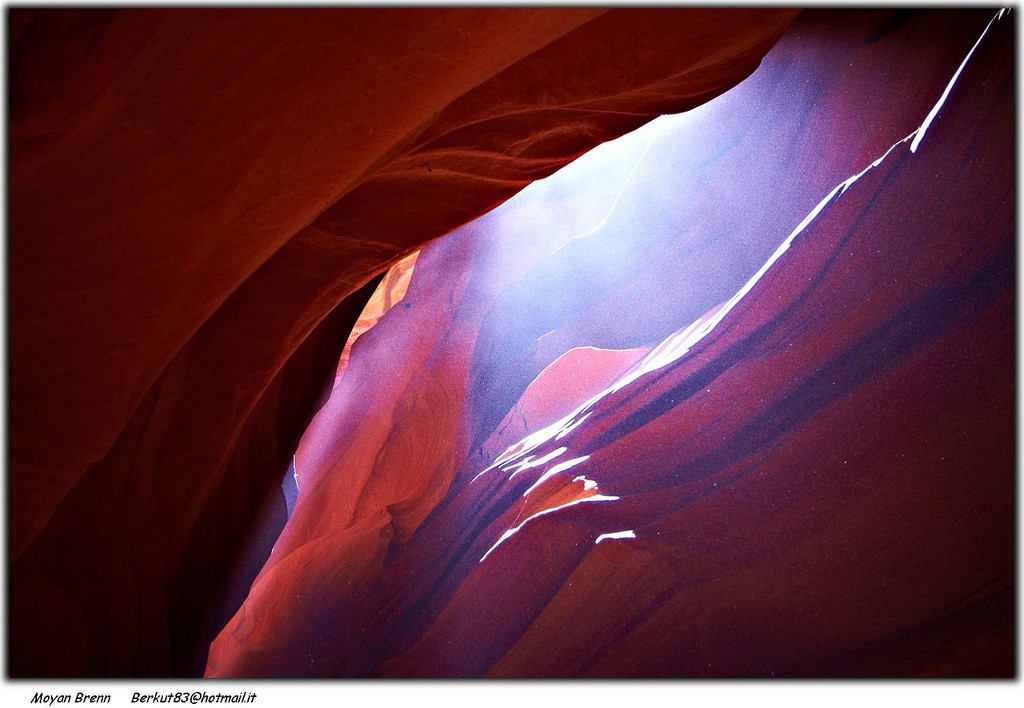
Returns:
(565, 446)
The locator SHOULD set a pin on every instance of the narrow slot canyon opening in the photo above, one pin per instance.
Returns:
(533, 360)
(511, 343)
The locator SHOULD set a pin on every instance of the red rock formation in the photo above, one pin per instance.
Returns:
(196, 199)
(389, 293)
(814, 479)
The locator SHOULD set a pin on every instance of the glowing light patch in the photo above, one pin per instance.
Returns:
(587, 483)
(290, 487)
(617, 535)
(615, 202)
(680, 343)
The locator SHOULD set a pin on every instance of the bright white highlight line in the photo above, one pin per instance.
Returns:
(560, 467)
(615, 536)
(949, 87)
(917, 134)
(530, 463)
(678, 345)
(508, 534)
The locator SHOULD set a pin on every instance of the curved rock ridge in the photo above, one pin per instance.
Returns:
(746, 410)
(388, 294)
(200, 200)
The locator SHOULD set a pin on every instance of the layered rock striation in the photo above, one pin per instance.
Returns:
(746, 411)
(742, 406)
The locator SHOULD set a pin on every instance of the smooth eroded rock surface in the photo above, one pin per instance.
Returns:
(199, 200)
(736, 403)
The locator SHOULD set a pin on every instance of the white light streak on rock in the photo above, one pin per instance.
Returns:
(560, 467)
(512, 531)
(617, 535)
